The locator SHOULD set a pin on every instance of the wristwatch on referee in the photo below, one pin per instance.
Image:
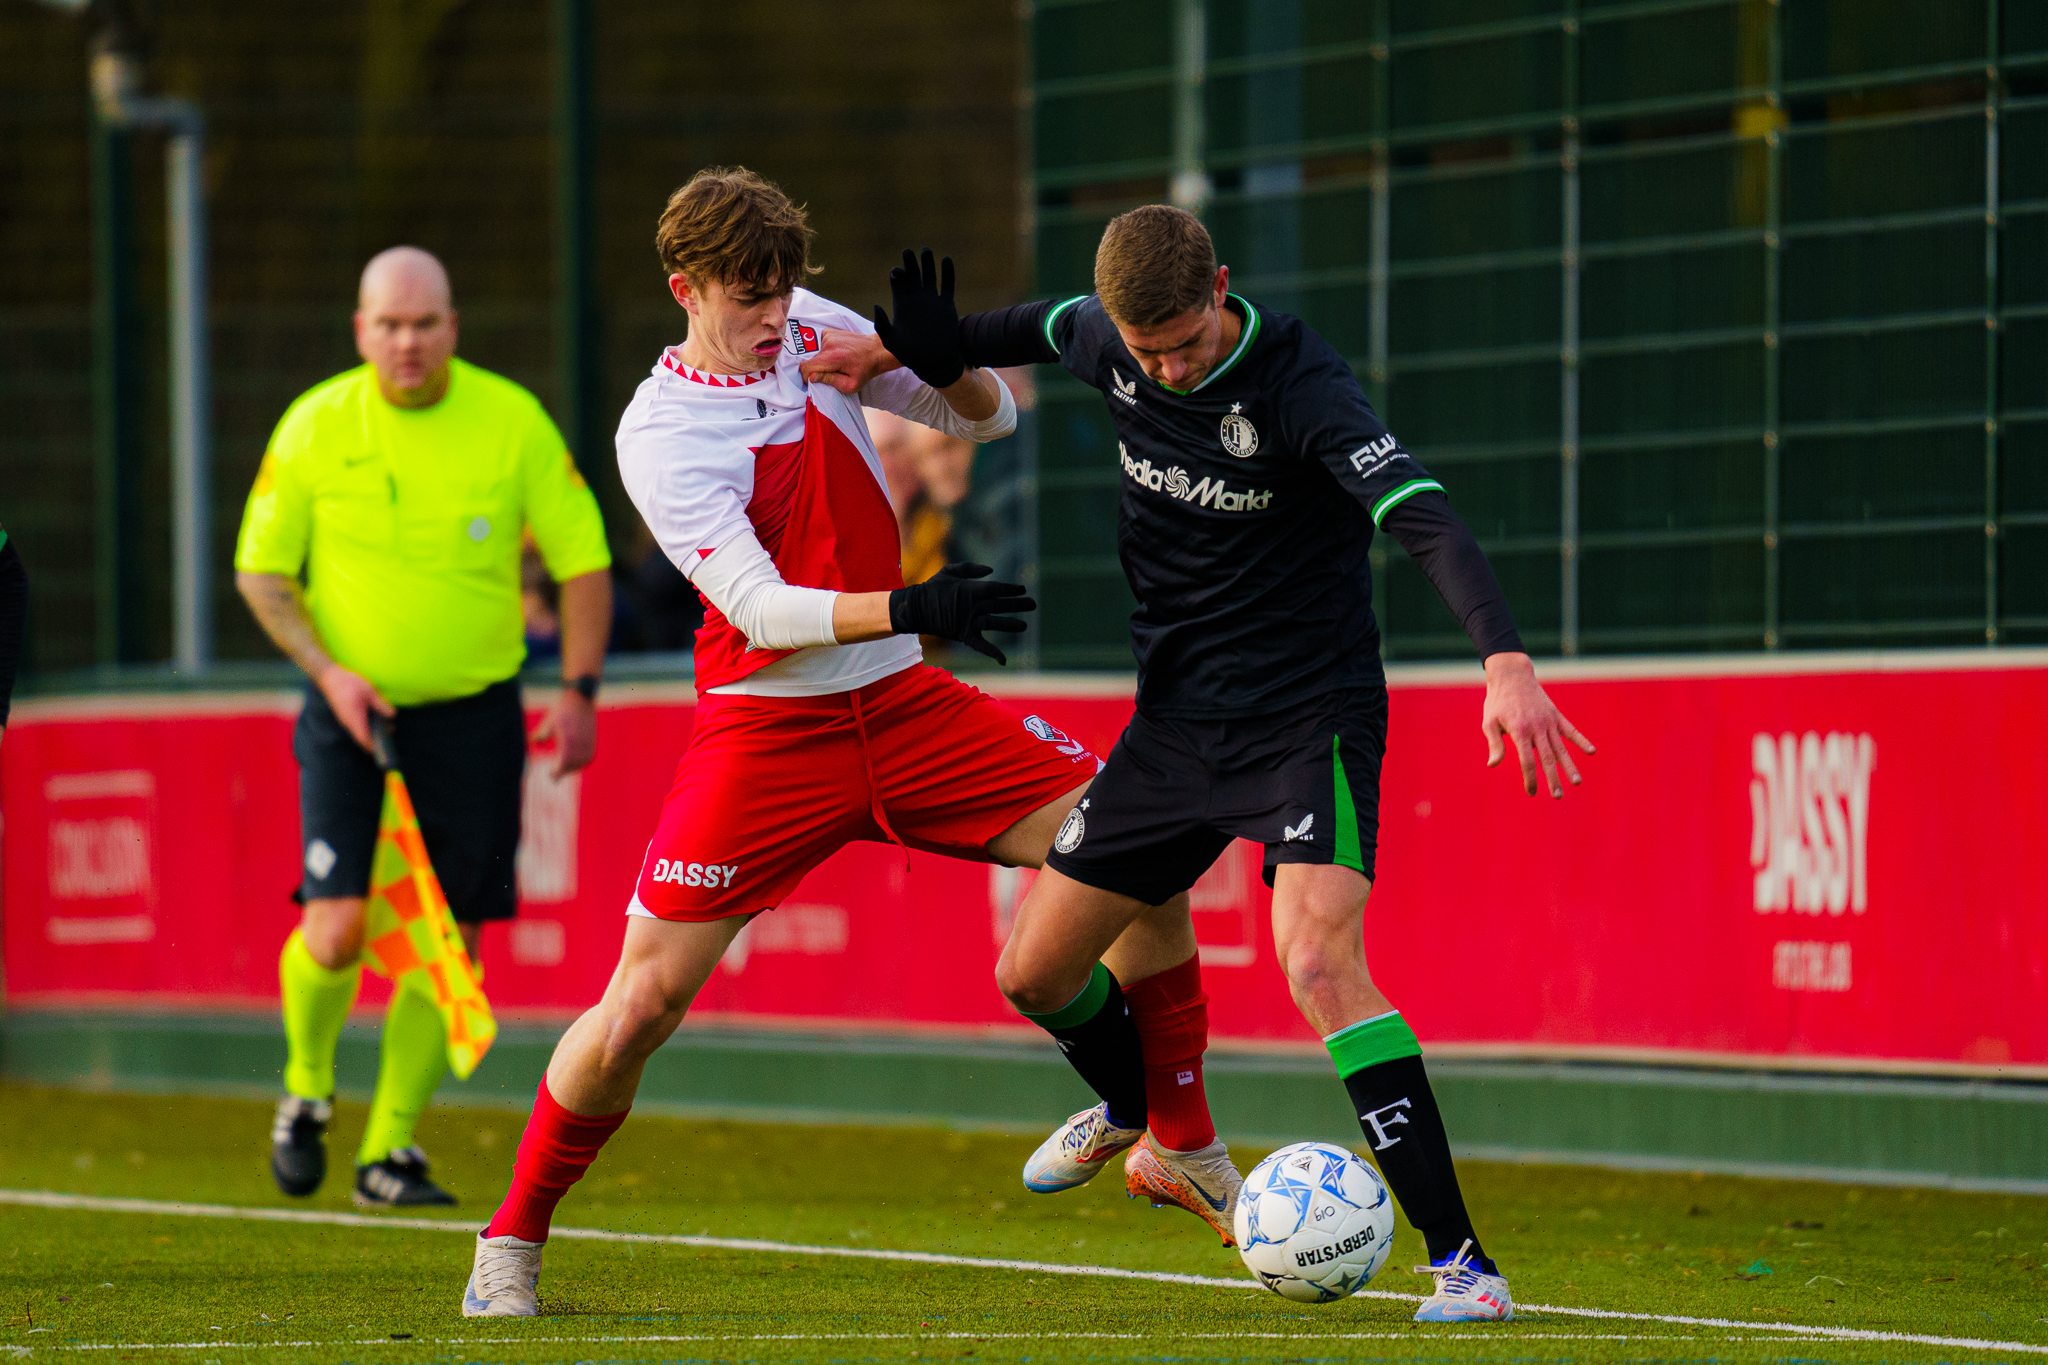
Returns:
(584, 686)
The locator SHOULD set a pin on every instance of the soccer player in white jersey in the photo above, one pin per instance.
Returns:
(818, 722)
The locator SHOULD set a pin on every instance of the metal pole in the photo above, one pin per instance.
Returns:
(117, 504)
(1377, 378)
(1191, 186)
(1568, 353)
(191, 406)
(116, 75)
(1993, 302)
(1774, 264)
(576, 333)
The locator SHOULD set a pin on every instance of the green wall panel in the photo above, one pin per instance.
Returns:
(1776, 275)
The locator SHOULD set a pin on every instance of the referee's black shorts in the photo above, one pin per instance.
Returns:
(463, 761)
(1176, 791)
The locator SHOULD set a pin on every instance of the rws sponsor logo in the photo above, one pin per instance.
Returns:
(1210, 493)
(1367, 459)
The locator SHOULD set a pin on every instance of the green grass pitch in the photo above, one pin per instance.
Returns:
(83, 1286)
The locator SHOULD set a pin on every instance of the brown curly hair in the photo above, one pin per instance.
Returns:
(731, 226)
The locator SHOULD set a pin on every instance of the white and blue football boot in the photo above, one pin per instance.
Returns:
(1466, 1291)
(1076, 1154)
(505, 1281)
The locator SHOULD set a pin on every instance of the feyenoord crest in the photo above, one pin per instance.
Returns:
(1240, 437)
(1071, 830)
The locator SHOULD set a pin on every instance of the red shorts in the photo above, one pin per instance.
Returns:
(772, 786)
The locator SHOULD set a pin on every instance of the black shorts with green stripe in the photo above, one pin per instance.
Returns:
(1177, 790)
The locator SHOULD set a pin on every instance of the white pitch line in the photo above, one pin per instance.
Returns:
(165, 1208)
(1489, 1335)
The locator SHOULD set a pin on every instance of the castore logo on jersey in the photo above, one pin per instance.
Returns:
(1126, 391)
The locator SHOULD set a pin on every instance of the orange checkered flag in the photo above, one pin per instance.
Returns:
(410, 936)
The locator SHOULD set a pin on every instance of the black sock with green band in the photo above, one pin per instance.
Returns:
(1381, 1064)
(1095, 1031)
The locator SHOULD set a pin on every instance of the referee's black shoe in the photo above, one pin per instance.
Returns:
(399, 1181)
(298, 1144)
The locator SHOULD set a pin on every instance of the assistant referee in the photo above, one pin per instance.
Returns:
(402, 489)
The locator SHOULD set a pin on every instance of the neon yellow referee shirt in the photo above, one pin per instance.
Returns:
(408, 524)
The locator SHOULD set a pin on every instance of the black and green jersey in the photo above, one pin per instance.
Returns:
(1248, 505)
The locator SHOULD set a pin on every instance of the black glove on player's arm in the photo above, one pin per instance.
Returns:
(954, 606)
(925, 335)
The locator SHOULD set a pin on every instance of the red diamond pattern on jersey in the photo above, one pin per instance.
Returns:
(824, 518)
(716, 381)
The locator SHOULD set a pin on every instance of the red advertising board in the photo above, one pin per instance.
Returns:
(1829, 861)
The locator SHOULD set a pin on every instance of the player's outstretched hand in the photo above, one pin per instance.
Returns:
(1519, 710)
(925, 333)
(958, 603)
(847, 360)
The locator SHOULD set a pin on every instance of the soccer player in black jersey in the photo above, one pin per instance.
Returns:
(1254, 473)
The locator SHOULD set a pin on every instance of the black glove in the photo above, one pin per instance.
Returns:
(926, 333)
(953, 606)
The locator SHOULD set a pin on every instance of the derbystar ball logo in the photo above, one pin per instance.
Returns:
(802, 340)
(1211, 493)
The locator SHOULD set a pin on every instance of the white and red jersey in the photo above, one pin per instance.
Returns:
(707, 456)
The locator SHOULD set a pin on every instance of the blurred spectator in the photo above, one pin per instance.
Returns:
(945, 471)
(539, 602)
(929, 474)
(667, 608)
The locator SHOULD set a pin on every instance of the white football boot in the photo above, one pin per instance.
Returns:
(1075, 1154)
(1464, 1292)
(1205, 1183)
(505, 1281)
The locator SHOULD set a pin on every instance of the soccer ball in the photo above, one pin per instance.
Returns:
(1314, 1222)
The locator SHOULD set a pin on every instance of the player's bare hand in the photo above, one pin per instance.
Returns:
(848, 360)
(353, 698)
(572, 727)
(1518, 711)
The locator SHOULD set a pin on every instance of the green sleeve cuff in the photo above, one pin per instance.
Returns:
(1382, 1038)
(1081, 1008)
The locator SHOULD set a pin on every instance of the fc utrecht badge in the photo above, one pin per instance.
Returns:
(1240, 437)
(1071, 830)
(802, 340)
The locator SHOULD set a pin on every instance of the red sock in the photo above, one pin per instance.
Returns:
(1171, 1011)
(557, 1148)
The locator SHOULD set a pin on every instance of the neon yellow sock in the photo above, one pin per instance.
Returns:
(415, 1053)
(316, 1003)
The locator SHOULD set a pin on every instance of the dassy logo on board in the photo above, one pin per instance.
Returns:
(1809, 833)
(1207, 493)
(1809, 845)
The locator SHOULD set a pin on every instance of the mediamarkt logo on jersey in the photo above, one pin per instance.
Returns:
(1207, 493)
